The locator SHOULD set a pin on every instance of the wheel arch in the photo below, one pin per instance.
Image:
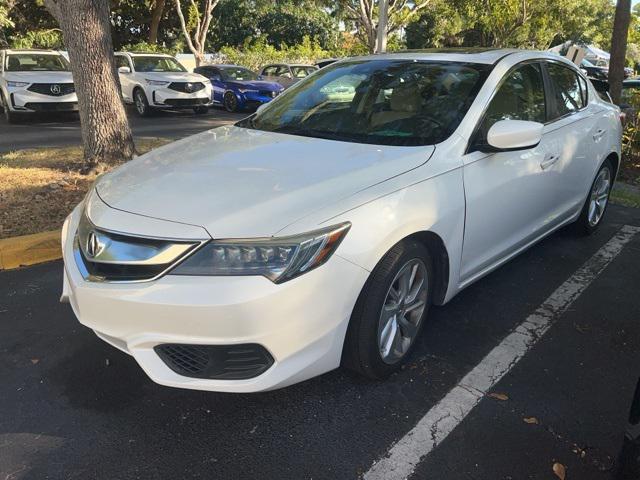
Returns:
(440, 256)
(614, 158)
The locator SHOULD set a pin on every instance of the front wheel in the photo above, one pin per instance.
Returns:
(230, 102)
(9, 116)
(596, 204)
(141, 103)
(390, 311)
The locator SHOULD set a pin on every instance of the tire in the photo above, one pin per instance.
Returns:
(200, 110)
(9, 116)
(141, 103)
(593, 209)
(368, 349)
(230, 102)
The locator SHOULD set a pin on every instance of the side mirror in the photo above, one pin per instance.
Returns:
(508, 135)
(124, 70)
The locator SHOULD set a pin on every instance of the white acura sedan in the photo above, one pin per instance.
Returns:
(318, 231)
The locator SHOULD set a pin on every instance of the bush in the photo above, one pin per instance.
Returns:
(255, 54)
(143, 46)
(48, 39)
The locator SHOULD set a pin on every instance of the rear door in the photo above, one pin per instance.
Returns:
(507, 193)
(575, 135)
(126, 79)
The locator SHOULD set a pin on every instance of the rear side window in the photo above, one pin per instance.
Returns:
(519, 97)
(568, 94)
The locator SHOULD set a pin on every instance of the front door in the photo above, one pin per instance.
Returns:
(507, 201)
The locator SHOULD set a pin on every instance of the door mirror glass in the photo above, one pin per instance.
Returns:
(507, 135)
(124, 70)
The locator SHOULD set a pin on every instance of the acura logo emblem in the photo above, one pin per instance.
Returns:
(188, 87)
(55, 89)
(94, 245)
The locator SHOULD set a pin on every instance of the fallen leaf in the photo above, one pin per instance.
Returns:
(560, 471)
(499, 396)
(35, 360)
(531, 420)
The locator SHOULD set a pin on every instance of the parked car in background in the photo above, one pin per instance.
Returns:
(325, 62)
(238, 88)
(34, 81)
(287, 74)
(317, 233)
(158, 81)
(593, 71)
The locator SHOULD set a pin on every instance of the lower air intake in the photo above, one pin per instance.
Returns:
(215, 362)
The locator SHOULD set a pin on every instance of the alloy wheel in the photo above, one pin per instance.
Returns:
(140, 104)
(402, 311)
(599, 197)
(230, 102)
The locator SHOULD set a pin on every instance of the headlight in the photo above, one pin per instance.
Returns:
(278, 259)
(16, 84)
(247, 90)
(155, 82)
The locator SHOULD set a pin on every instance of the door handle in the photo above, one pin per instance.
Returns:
(549, 160)
(598, 135)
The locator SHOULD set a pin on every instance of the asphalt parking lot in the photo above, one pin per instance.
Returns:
(72, 407)
(48, 130)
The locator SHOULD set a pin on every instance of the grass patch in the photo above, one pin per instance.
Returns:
(626, 197)
(40, 186)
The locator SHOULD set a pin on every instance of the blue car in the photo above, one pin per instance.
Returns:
(238, 88)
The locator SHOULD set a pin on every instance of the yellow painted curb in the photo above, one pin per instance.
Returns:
(29, 249)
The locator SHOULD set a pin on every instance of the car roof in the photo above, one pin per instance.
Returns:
(487, 56)
(154, 54)
(32, 50)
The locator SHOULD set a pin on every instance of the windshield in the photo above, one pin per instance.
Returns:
(302, 71)
(385, 102)
(587, 63)
(150, 63)
(237, 73)
(32, 62)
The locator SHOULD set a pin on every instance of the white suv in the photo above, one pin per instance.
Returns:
(35, 81)
(153, 80)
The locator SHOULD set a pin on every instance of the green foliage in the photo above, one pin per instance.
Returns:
(49, 39)
(285, 22)
(255, 54)
(144, 46)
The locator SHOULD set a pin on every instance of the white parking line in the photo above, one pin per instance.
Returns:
(448, 413)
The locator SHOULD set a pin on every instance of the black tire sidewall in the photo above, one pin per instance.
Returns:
(583, 220)
(147, 109)
(361, 351)
(235, 102)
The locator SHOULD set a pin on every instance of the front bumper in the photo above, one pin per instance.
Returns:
(22, 100)
(300, 323)
(168, 98)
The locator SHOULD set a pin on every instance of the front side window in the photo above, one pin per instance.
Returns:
(121, 61)
(31, 62)
(519, 97)
(568, 95)
(152, 63)
(384, 102)
(238, 74)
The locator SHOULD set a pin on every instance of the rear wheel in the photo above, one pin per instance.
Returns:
(230, 102)
(596, 204)
(141, 103)
(200, 110)
(390, 311)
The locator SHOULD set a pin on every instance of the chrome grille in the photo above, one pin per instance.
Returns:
(105, 256)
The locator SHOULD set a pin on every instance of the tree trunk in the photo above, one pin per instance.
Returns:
(381, 30)
(106, 135)
(619, 48)
(156, 16)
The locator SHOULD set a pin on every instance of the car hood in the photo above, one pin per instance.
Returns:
(39, 77)
(237, 182)
(257, 84)
(173, 76)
